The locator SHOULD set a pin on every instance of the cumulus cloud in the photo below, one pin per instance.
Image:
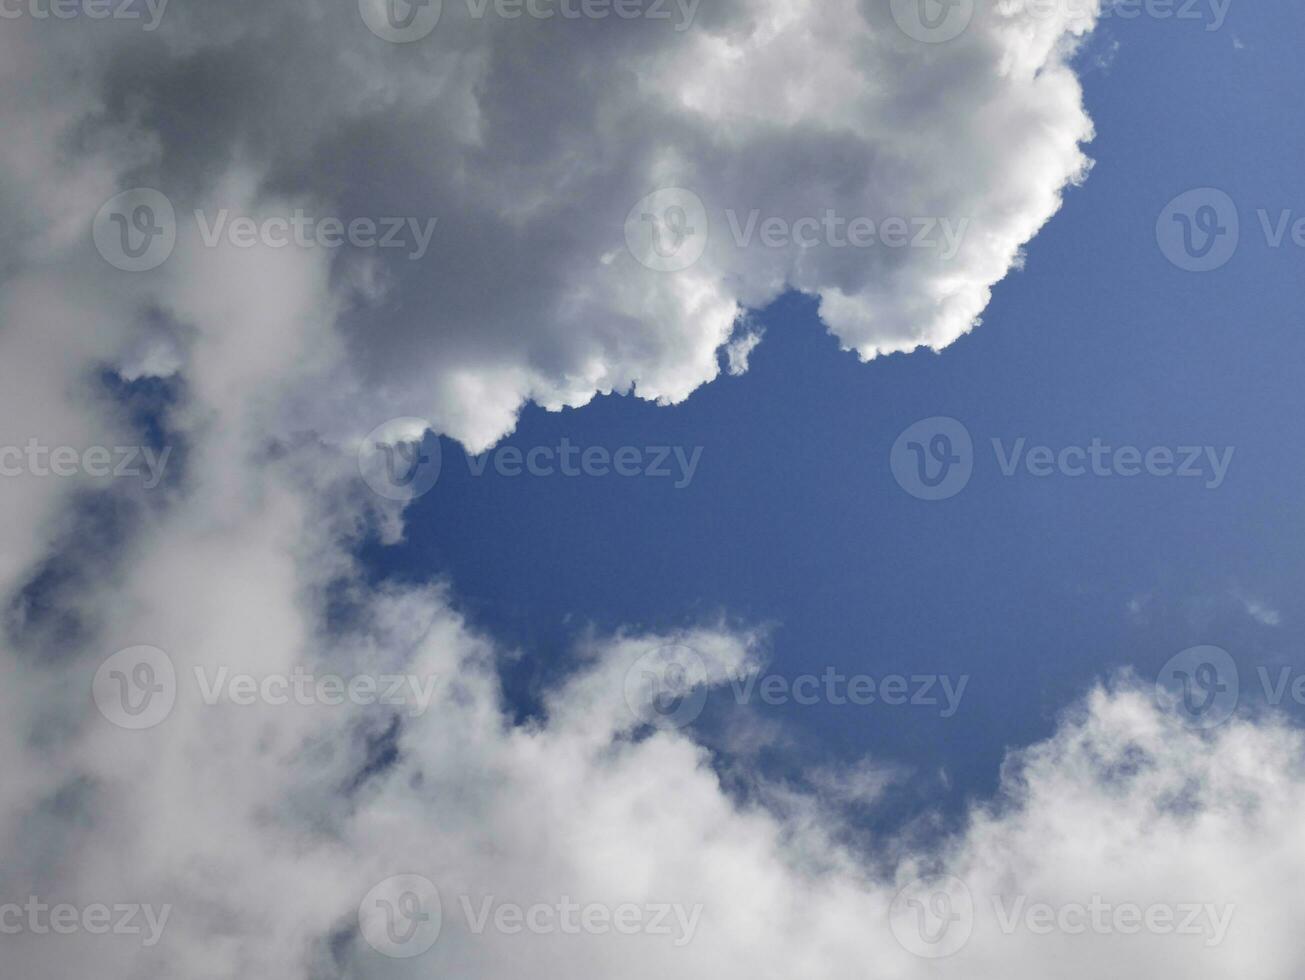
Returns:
(829, 151)
(264, 823)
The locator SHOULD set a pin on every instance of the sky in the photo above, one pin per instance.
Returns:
(1034, 587)
(475, 505)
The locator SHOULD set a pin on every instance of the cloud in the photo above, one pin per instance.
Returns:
(895, 179)
(1259, 610)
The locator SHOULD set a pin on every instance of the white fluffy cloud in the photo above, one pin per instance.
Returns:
(895, 179)
(263, 827)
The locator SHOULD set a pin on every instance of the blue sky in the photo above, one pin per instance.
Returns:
(793, 517)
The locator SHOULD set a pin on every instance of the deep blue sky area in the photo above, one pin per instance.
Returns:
(1034, 587)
